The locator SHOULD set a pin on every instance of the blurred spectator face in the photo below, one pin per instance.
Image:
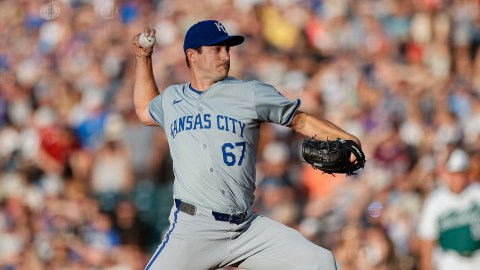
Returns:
(458, 181)
(275, 192)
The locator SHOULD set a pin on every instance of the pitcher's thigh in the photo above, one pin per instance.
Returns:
(268, 244)
(188, 245)
(169, 255)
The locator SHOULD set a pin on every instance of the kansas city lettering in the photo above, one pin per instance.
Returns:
(204, 121)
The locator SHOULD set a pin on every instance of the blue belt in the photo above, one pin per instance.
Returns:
(191, 209)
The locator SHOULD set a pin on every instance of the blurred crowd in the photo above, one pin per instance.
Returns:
(84, 185)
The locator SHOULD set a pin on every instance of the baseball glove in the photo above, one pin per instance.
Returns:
(333, 156)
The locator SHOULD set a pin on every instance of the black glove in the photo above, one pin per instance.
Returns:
(333, 156)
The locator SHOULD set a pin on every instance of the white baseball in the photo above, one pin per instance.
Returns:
(146, 42)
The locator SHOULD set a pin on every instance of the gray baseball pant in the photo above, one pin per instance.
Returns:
(200, 242)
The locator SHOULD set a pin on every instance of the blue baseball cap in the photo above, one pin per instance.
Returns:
(209, 33)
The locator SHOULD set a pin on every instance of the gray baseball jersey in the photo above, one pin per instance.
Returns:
(213, 138)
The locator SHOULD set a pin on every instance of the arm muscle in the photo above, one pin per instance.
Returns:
(145, 89)
(321, 129)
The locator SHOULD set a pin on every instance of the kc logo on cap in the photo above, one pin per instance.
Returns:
(209, 33)
(220, 27)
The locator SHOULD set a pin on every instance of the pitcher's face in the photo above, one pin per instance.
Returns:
(214, 62)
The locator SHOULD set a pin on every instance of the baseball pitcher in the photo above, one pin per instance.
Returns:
(212, 124)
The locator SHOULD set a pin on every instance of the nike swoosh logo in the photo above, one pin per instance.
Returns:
(175, 101)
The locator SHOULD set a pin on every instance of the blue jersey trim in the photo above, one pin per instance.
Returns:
(150, 112)
(153, 117)
(165, 241)
(290, 117)
(194, 90)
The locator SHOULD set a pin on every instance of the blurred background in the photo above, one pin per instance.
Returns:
(84, 185)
